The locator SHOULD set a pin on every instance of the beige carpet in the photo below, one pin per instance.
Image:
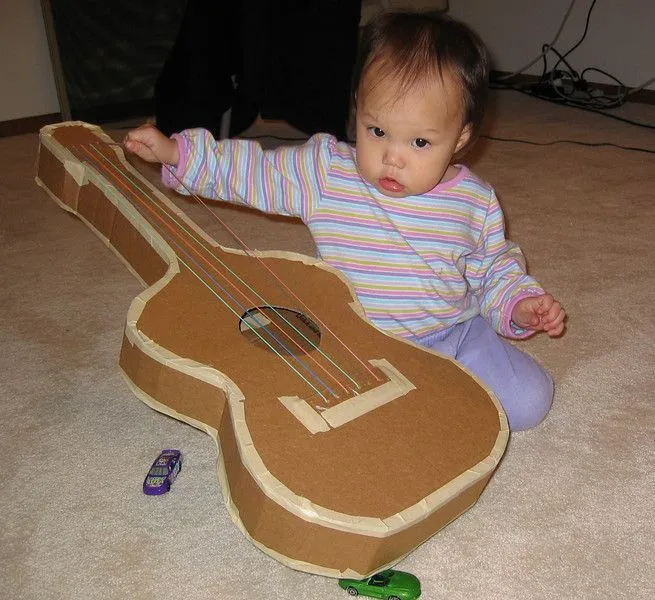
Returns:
(569, 513)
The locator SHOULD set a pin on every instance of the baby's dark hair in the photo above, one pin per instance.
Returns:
(414, 46)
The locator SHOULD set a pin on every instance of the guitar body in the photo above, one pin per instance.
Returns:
(339, 483)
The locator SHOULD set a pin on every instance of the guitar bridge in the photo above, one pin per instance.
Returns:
(323, 419)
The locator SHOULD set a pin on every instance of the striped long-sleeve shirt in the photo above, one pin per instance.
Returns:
(417, 264)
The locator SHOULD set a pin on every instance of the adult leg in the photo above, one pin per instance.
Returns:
(194, 87)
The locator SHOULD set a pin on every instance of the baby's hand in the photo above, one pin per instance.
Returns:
(540, 313)
(152, 145)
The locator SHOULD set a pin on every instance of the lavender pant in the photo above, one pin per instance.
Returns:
(522, 386)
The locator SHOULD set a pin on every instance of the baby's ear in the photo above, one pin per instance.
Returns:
(464, 138)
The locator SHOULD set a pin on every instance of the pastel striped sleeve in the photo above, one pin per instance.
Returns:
(286, 180)
(497, 274)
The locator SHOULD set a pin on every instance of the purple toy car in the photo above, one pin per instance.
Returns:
(163, 472)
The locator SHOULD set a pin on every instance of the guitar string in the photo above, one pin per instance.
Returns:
(171, 215)
(251, 253)
(213, 291)
(202, 243)
(182, 249)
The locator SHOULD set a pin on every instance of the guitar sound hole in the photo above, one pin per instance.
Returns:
(280, 329)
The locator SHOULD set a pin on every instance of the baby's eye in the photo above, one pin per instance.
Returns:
(420, 143)
(376, 132)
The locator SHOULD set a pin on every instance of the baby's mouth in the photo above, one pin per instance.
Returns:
(391, 185)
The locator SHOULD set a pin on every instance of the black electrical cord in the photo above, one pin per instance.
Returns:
(568, 87)
(584, 34)
(574, 105)
(554, 142)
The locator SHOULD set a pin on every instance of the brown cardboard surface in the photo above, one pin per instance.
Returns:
(354, 498)
(265, 521)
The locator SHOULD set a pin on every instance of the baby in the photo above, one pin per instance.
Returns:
(419, 236)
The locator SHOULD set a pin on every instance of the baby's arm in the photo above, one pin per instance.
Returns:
(498, 278)
(286, 180)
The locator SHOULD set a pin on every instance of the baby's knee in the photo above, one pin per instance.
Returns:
(534, 402)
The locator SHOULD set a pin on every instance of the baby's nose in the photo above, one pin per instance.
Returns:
(392, 158)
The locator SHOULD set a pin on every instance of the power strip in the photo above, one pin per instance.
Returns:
(559, 86)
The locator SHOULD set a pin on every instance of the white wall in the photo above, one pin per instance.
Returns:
(27, 86)
(620, 40)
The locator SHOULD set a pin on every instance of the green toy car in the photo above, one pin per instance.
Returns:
(389, 584)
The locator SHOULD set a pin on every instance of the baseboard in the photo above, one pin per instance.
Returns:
(27, 124)
(642, 96)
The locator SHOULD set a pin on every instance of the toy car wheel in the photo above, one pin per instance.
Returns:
(352, 591)
(393, 598)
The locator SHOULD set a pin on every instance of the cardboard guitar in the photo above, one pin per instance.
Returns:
(341, 448)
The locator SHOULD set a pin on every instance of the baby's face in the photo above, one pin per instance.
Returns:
(405, 143)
